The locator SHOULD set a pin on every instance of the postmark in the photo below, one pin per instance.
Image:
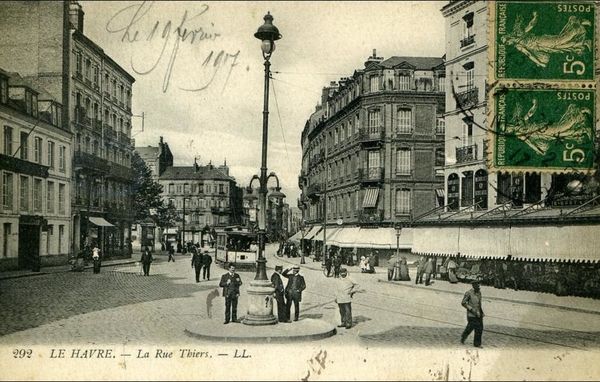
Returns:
(545, 130)
(543, 41)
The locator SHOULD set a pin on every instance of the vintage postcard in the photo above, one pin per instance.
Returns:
(299, 190)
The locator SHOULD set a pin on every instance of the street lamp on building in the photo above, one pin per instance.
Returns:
(260, 309)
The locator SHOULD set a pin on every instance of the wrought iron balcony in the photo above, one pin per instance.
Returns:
(123, 138)
(467, 41)
(372, 174)
(119, 172)
(87, 161)
(466, 154)
(370, 216)
(467, 98)
(313, 190)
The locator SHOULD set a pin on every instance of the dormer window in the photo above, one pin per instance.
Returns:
(404, 82)
(3, 89)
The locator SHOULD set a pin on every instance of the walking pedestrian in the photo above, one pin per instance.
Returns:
(197, 264)
(146, 260)
(472, 302)
(96, 258)
(279, 294)
(328, 264)
(428, 270)
(452, 271)
(404, 276)
(231, 282)
(293, 291)
(206, 262)
(345, 289)
(171, 252)
(337, 264)
(420, 270)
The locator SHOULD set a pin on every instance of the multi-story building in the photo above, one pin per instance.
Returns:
(35, 167)
(46, 43)
(373, 151)
(157, 158)
(524, 220)
(204, 197)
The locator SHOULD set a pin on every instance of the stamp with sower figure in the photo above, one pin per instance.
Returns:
(543, 40)
(544, 129)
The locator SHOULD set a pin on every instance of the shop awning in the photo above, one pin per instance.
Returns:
(344, 238)
(384, 238)
(439, 192)
(331, 231)
(313, 231)
(296, 237)
(370, 200)
(573, 243)
(100, 222)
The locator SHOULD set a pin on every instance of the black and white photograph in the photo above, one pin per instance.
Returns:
(306, 191)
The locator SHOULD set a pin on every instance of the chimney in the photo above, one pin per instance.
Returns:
(373, 59)
(76, 14)
(196, 168)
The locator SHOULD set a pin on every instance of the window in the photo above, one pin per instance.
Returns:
(37, 195)
(440, 126)
(24, 193)
(439, 156)
(468, 26)
(403, 201)
(96, 75)
(441, 84)
(88, 66)
(356, 122)
(8, 140)
(467, 189)
(62, 162)
(51, 154)
(3, 90)
(61, 199)
(106, 83)
(37, 150)
(403, 161)
(374, 121)
(404, 82)
(467, 133)
(470, 75)
(24, 149)
(7, 191)
(374, 83)
(50, 197)
(78, 64)
(373, 159)
(404, 120)
(186, 188)
(61, 237)
(221, 189)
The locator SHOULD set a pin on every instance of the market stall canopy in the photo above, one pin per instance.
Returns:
(100, 222)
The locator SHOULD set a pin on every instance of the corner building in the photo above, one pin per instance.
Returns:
(373, 152)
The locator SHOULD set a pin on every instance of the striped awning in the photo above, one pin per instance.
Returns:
(370, 200)
(313, 231)
(439, 192)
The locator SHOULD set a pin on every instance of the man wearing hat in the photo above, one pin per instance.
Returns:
(231, 282)
(279, 292)
(196, 263)
(345, 289)
(206, 262)
(472, 302)
(293, 291)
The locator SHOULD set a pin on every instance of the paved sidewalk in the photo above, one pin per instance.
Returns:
(65, 268)
(569, 303)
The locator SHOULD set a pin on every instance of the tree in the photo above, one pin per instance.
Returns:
(166, 215)
(146, 191)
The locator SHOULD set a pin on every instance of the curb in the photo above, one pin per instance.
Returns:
(532, 303)
(41, 273)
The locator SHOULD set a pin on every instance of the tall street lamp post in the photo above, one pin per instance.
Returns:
(260, 309)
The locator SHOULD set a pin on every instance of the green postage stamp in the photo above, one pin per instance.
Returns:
(543, 130)
(543, 40)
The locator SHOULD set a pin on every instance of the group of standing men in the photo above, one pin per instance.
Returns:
(201, 262)
(290, 294)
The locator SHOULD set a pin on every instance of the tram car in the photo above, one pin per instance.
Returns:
(237, 246)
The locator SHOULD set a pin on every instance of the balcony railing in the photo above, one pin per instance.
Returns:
(467, 41)
(120, 172)
(371, 135)
(313, 190)
(84, 160)
(466, 154)
(123, 138)
(467, 98)
(367, 216)
(372, 174)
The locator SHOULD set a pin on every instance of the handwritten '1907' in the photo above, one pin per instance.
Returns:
(181, 33)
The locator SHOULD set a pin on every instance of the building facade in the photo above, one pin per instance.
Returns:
(45, 42)
(35, 167)
(373, 151)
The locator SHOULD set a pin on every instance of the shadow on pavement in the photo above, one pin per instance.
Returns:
(495, 336)
(33, 301)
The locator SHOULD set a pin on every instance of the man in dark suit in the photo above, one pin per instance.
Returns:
(279, 294)
(197, 264)
(146, 260)
(231, 282)
(293, 290)
(206, 262)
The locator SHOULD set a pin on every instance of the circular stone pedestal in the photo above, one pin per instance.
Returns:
(307, 329)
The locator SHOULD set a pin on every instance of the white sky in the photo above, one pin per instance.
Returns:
(321, 42)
